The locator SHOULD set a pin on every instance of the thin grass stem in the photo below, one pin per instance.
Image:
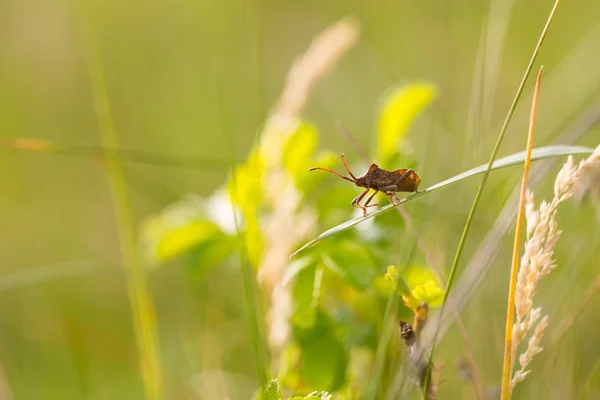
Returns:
(131, 155)
(142, 307)
(251, 298)
(382, 346)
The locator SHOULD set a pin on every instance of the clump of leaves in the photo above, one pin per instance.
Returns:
(336, 310)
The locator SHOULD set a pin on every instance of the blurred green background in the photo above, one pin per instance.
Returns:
(65, 319)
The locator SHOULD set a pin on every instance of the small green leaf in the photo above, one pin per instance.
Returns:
(399, 109)
(184, 238)
(253, 239)
(398, 283)
(324, 359)
(314, 396)
(306, 294)
(299, 155)
(299, 149)
(245, 191)
(392, 276)
(323, 363)
(288, 366)
(514, 159)
(163, 238)
(294, 268)
(273, 391)
(353, 262)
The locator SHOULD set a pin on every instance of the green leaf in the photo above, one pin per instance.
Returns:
(273, 391)
(398, 283)
(299, 149)
(245, 188)
(514, 159)
(353, 262)
(399, 109)
(162, 239)
(323, 363)
(288, 366)
(299, 155)
(245, 191)
(184, 238)
(253, 239)
(294, 268)
(314, 396)
(306, 294)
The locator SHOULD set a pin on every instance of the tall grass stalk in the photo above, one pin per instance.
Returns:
(510, 312)
(503, 130)
(251, 299)
(142, 307)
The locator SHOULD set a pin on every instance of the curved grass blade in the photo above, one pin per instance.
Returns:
(539, 153)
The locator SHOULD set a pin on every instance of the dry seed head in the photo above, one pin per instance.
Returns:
(322, 55)
(290, 221)
(531, 214)
(533, 347)
(537, 259)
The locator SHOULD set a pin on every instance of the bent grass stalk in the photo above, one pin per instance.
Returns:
(510, 313)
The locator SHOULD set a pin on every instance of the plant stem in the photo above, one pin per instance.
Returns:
(142, 307)
(382, 346)
(514, 270)
(131, 155)
(503, 130)
(251, 292)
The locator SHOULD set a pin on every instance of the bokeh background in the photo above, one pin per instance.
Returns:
(177, 73)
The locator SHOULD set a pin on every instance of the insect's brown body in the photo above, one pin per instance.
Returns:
(380, 180)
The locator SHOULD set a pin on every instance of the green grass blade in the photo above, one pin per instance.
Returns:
(140, 295)
(254, 312)
(514, 159)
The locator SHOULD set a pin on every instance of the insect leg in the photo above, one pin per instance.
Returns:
(394, 197)
(389, 189)
(391, 192)
(371, 198)
(404, 176)
(357, 199)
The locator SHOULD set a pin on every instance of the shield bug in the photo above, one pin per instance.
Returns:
(379, 180)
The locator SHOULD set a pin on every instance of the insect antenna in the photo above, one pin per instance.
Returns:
(346, 166)
(335, 173)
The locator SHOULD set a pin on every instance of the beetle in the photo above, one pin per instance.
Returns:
(379, 180)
